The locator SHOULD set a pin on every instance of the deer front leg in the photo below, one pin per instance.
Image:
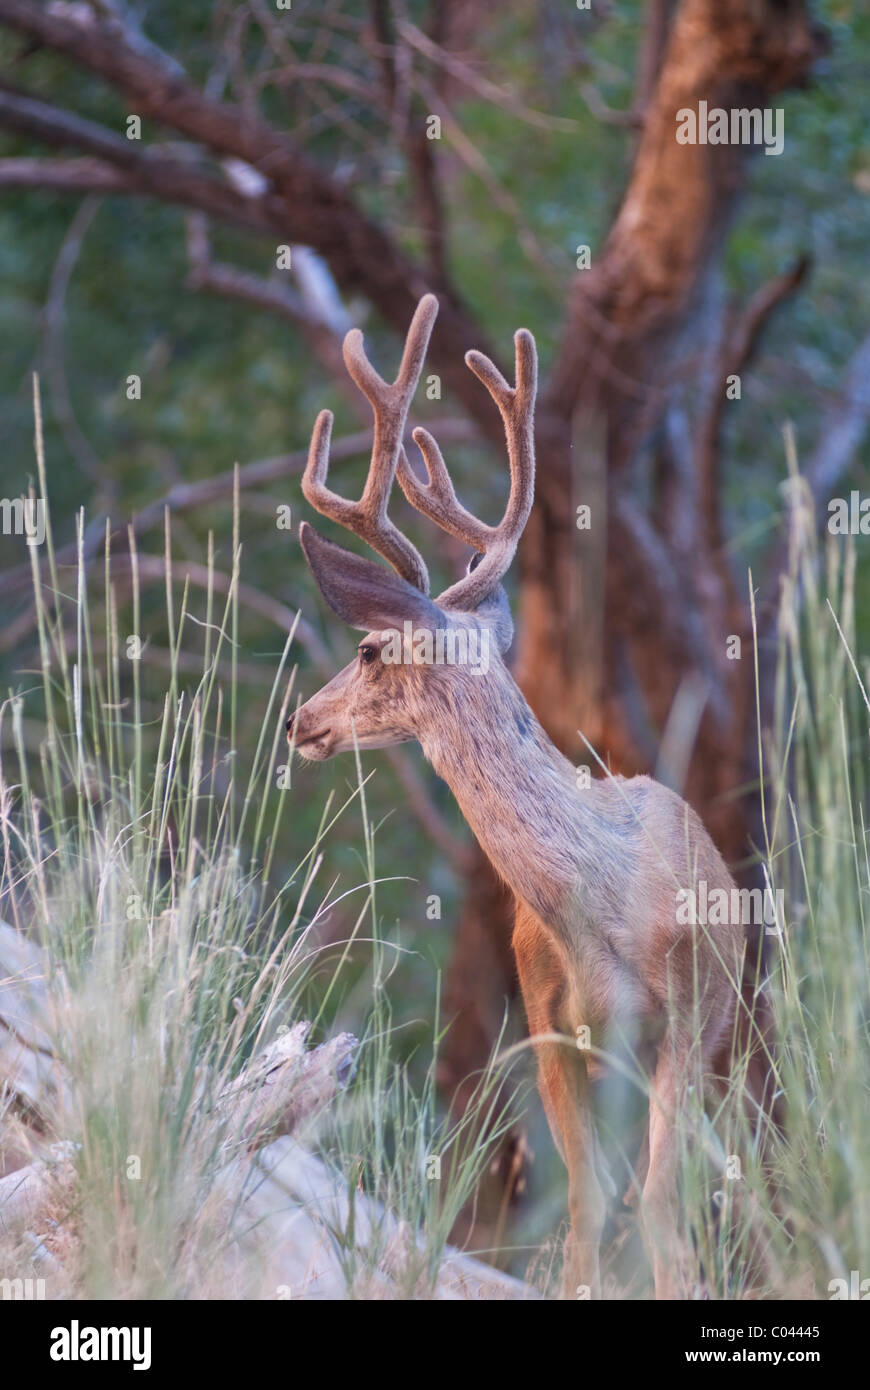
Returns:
(564, 1087)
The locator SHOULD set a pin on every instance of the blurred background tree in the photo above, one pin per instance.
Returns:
(197, 202)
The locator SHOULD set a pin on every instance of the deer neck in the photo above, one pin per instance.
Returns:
(515, 789)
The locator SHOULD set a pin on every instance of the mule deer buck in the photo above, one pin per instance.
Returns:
(595, 871)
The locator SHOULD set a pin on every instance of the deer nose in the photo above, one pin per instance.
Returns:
(289, 725)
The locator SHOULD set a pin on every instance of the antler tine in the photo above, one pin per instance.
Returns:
(314, 487)
(369, 381)
(390, 402)
(438, 500)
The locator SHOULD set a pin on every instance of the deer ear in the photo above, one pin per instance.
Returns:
(495, 611)
(365, 595)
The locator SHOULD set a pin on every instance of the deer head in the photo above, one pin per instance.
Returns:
(421, 657)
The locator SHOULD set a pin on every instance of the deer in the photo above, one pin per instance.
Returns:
(595, 871)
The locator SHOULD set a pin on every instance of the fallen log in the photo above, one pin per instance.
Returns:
(283, 1203)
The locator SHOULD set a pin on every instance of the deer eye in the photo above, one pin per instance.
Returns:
(367, 655)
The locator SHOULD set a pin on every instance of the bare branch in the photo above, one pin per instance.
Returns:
(28, 115)
(184, 496)
(65, 176)
(231, 283)
(221, 126)
(303, 203)
(328, 73)
(55, 316)
(116, 12)
(609, 115)
(736, 354)
(428, 202)
(317, 308)
(383, 25)
(147, 171)
(471, 156)
(481, 85)
(648, 565)
(652, 50)
(319, 292)
(842, 430)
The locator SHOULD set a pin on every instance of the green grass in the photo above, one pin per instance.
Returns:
(142, 856)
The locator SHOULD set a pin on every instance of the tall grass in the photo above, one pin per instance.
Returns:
(789, 1226)
(817, 851)
(782, 1211)
(141, 855)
